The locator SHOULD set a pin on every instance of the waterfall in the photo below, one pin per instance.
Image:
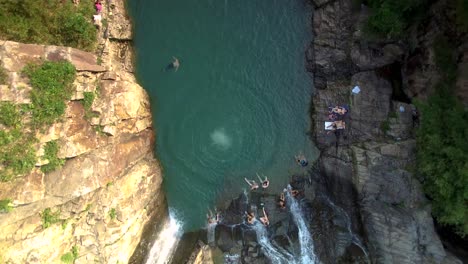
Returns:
(163, 248)
(354, 238)
(271, 252)
(305, 240)
(211, 234)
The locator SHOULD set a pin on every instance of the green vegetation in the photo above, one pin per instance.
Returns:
(71, 256)
(51, 84)
(17, 155)
(88, 102)
(50, 153)
(49, 218)
(112, 213)
(9, 115)
(3, 76)
(385, 126)
(442, 145)
(5, 206)
(48, 22)
(51, 87)
(390, 19)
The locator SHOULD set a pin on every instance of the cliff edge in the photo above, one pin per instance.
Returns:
(94, 208)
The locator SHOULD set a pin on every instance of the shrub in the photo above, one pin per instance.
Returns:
(391, 18)
(17, 155)
(48, 22)
(50, 153)
(49, 218)
(5, 206)
(51, 83)
(71, 256)
(9, 115)
(442, 154)
(88, 102)
(112, 213)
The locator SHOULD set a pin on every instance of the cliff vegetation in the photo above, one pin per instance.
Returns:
(48, 22)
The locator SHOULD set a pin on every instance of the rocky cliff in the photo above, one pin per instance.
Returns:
(367, 166)
(94, 207)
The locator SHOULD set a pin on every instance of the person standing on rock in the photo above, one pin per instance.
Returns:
(264, 218)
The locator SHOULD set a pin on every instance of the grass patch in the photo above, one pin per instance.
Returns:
(52, 86)
(5, 206)
(9, 115)
(442, 143)
(3, 76)
(87, 103)
(112, 213)
(50, 153)
(49, 22)
(49, 218)
(17, 155)
(392, 114)
(71, 256)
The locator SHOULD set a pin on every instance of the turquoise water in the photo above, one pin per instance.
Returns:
(238, 103)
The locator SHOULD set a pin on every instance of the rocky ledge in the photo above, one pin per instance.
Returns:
(109, 188)
(367, 166)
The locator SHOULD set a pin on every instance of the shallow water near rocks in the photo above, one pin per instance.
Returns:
(239, 102)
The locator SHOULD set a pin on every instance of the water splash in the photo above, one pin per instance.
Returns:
(305, 240)
(163, 248)
(271, 252)
(220, 138)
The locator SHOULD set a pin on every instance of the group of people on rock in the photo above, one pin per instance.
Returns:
(336, 114)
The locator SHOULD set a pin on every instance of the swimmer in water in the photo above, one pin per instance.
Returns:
(265, 183)
(264, 218)
(253, 185)
(175, 63)
(282, 201)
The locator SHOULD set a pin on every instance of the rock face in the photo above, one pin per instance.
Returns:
(109, 188)
(366, 167)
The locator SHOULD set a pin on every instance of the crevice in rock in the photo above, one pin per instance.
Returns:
(392, 73)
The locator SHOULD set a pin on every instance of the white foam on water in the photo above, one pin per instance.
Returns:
(305, 240)
(163, 248)
(220, 138)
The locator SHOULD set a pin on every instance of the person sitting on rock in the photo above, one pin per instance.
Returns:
(250, 217)
(282, 201)
(264, 218)
(340, 110)
(301, 160)
(265, 183)
(98, 6)
(253, 185)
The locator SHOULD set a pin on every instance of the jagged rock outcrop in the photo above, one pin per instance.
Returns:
(109, 188)
(366, 167)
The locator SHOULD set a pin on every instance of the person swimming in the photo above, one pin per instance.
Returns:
(282, 201)
(301, 160)
(265, 183)
(250, 217)
(264, 218)
(175, 63)
(253, 185)
(212, 218)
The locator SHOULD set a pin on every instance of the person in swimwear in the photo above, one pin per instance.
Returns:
(264, 218)
(253, 185)
(282, 201)
(175, 63)
(212, 219)
(265, 183)
(250, 217)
